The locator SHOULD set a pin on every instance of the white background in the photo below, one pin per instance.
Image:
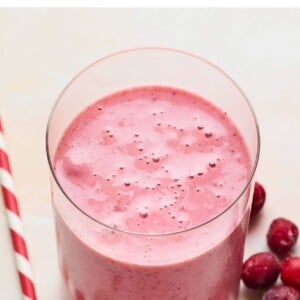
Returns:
(41, 49)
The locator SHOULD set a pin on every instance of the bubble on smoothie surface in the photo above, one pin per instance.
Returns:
(152, 159)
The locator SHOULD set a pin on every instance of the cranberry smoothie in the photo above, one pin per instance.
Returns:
(151, 164)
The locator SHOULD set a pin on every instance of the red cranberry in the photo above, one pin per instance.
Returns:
(290, 273)
(281, 292)
(260, 270)
(282, 235)
(259, 198)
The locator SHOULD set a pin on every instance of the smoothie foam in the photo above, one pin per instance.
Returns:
(152, 160)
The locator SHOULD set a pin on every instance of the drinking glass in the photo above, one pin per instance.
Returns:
(100, 262)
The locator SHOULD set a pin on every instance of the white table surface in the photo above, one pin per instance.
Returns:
(40, 51)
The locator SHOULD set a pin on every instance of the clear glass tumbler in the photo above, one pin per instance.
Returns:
(92, 255)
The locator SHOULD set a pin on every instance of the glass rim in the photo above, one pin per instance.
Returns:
(249, 180)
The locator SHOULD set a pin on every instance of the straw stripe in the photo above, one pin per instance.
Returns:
(28, 289)
(24, 265)
(10, 201)
(2, 142)
(6, 179)
(19, 244)
(4, 160)
(15, 223)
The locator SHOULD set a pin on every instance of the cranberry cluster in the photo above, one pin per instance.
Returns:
(261, 270)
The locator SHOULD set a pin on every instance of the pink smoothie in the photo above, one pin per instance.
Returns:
(152, 161)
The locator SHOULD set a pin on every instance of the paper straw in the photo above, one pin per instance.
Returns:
(15, 223)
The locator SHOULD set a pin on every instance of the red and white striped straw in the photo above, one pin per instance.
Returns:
(15, 223)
